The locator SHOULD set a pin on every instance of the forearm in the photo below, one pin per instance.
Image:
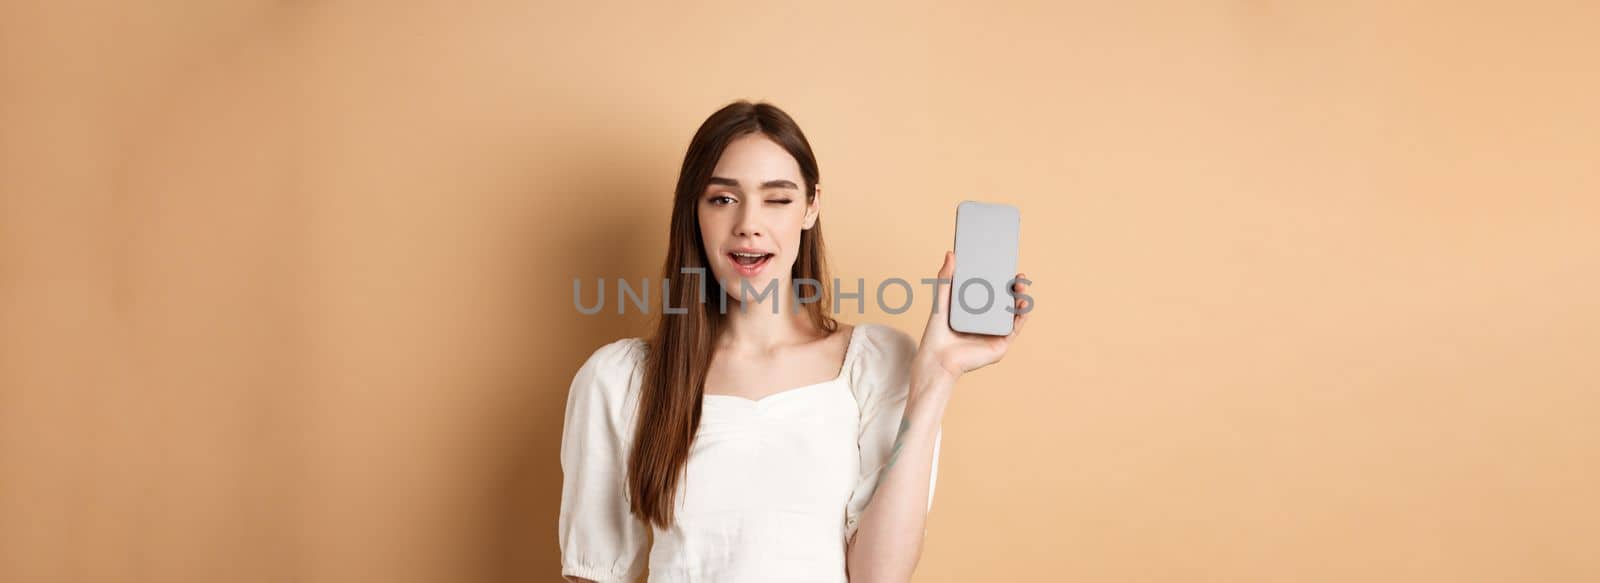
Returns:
(888, 540)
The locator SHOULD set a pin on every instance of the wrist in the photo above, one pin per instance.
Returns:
(927, 371)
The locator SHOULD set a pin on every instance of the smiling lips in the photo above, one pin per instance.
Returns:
(749, 262)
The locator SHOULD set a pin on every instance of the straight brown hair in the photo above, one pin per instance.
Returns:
(680, 351)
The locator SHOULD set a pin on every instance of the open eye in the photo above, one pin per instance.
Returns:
(720, 200)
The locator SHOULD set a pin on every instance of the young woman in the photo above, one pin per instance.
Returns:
(756, 438)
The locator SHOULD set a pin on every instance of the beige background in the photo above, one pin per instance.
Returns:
(285, 286)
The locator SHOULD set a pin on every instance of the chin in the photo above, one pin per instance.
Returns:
(757, 286)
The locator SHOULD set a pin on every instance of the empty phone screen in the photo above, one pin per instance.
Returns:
(987, 236)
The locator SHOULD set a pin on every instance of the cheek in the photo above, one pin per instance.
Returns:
(708, 228)
(792, 219)
(792, 234)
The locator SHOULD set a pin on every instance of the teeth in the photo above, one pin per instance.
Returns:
(749, 255)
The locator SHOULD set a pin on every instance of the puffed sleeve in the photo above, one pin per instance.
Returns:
(881, 380)
(600, 539)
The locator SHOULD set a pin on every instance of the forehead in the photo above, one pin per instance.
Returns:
(755, 157)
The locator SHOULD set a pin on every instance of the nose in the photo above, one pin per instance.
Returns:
(749, 223)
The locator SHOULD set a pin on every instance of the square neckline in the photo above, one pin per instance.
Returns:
(844, 370)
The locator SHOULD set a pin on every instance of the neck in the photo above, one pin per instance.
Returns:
(756, 327)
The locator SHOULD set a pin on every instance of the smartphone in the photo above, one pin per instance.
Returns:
(987, 239)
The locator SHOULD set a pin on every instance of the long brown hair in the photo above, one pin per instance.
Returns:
(680, 351)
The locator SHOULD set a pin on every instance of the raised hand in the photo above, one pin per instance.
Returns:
(958, 352)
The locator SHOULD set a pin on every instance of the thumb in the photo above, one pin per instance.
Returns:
(941, 302)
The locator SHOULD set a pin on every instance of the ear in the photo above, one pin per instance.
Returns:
(814, 207)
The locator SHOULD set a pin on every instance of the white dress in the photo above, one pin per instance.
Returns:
(773, 487)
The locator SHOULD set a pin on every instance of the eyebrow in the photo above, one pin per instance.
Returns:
(780, 183)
